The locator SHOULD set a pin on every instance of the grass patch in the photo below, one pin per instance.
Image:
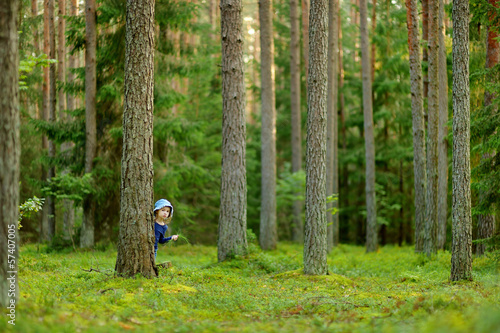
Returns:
(392, 290)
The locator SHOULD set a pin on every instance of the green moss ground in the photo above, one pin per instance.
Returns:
(393, 290)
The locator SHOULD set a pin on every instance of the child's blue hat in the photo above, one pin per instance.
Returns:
(164, 203)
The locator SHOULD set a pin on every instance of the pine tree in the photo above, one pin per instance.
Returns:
(315, 244)
(136, 240)
(10, 149)
(87, 233)
(461, 248)
(233, 195)
(268, 225)
(371, 212)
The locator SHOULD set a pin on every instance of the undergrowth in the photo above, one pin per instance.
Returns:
(392, 290)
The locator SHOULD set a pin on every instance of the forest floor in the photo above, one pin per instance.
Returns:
(393, 290)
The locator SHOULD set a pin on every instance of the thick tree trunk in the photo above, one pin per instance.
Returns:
(419, 159)
(10, 151)
(431, 214)
(442, 133)
(371, 211)
(461, 249)
(268, 228)
(315, 244)
(136, 240)
(332, 177)
(51, 200)
(305, 4)
(298, 225)
(87, 234)
(233, 208)
(486, 223)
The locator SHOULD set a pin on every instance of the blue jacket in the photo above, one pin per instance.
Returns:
(160, 231)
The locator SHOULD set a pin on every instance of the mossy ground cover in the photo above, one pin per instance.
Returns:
(393, 290)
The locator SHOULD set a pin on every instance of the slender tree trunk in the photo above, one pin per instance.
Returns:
(315, 244)
(36, 44)
(10, 149)
(342, 111)
(268, 229)
(425, 38)
(136, 241)
(87, 234)
(431, 203)
(374, 26)
(44, 223)
(442, 133)
(486, 223)
(69, 211)
(298, 225)
(461, 248)
(419, 158)
(371, 217)
(305, 34)
(233, 208)
(332, 178)
(51, 200)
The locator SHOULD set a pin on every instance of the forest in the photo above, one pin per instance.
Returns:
(332, 165)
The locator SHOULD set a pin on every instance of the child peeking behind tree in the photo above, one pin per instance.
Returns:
(163, 213)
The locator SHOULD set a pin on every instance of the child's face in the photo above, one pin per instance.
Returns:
(164, 213)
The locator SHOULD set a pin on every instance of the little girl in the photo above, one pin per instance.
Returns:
(163, 213)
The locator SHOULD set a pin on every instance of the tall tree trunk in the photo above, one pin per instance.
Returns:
(342, 111)
(305, 34)
(486, 223)
(10, 151)
(419, 158)
(315, 244)
(136, 241)
(371, 211)
(36, 45)
(442, 133)
(425, 38)
(268, 229)
(87, 234)
(374, 27)
(69, 211)
(233, 206)
(44, 223)
(332, 177)
(51, 200)
(431, 214)
(298, 225)
(461, 248)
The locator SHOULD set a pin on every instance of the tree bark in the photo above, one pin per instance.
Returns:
(419, 159)
(44, 223)
(305, 4)
(442, 133)
(87, 234)
(425, 39)
(315, 244)
(431, 214)
(371, 211)
(461, 249)
(268, 228)
(332, 177)
(51, 200)
(233, 208)
(136, 239)
(10, 152)
(486, 222)
(298, 225)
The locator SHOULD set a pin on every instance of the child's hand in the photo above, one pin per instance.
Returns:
(174, 237)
